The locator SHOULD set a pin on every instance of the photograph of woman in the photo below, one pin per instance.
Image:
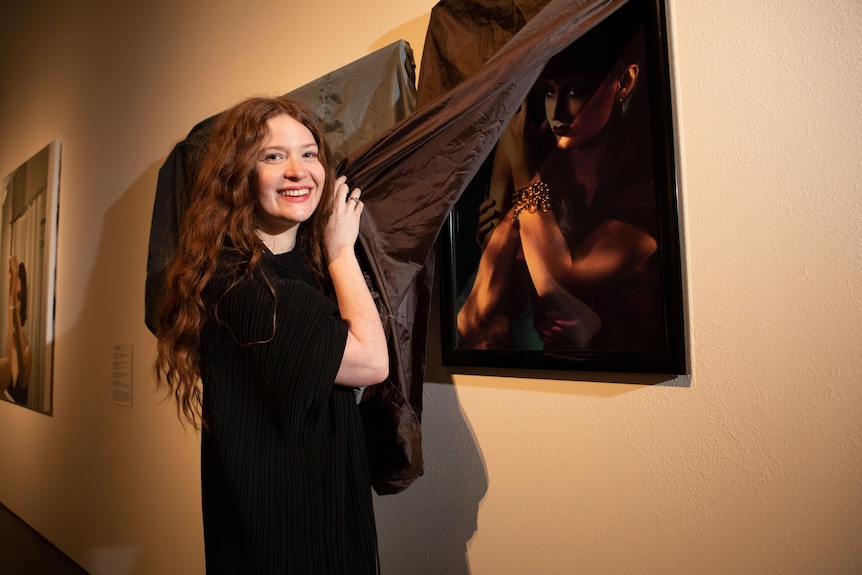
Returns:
(266, 331)
(568, 230)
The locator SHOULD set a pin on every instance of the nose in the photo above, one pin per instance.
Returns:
(562, 113)
(294, 168)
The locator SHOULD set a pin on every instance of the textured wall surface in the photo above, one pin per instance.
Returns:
(752, 464)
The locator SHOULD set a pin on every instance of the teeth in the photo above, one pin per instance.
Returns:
(294, 193)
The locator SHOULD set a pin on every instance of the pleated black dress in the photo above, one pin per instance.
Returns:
(285, 480)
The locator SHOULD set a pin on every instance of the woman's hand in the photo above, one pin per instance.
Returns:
(343, 227)
(498, 293)
(565, 322)
(489, 217)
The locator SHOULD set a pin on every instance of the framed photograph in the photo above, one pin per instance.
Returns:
(28, 244)
(564, 250)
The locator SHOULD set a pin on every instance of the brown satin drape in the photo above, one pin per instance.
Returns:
(411, 177)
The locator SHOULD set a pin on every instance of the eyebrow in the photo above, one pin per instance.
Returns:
(277, 148)
(301, 146)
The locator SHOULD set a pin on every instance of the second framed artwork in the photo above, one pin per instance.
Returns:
(564, 250)
(28, 242)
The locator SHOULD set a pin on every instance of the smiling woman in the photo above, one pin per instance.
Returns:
(290, 182)
(265, 329)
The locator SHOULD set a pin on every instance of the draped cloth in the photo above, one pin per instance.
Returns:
(463, 35)
(411, 176)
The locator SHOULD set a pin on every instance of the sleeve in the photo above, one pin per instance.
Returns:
(291, 340)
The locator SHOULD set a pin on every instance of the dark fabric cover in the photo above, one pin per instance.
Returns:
(411, 177)
(284, 470)
(463, 35)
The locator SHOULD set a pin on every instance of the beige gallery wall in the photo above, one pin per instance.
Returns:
(752, 464)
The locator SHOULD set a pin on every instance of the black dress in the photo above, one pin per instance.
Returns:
(285, 481)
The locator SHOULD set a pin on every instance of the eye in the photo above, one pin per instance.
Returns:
(310, 154)
(272, 157)
(579, 89)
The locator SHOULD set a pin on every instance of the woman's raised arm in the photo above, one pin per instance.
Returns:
(366, 357)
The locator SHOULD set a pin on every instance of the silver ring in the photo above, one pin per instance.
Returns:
(355, 199)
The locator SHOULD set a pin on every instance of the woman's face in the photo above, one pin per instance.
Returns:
(578, 108)
(290, 177)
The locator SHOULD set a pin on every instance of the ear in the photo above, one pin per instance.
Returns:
(628, 78)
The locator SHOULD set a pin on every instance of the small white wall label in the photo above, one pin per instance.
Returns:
(121, 387)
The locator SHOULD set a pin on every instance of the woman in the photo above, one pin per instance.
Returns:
(583, 231)
(15, 368)
(266, 329)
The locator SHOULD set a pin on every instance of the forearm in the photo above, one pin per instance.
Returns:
(612, 250)
(10, 332)
(546, 252)
(496, 294)
(366, 357)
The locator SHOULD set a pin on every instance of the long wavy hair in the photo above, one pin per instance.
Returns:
(218, 234)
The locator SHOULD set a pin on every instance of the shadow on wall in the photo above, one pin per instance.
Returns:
(119, 502)
(425, 529)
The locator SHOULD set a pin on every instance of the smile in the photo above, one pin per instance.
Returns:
(294, 193)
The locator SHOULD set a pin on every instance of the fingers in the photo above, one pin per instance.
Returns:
(341, 190)
(351, 196)
(342, 228)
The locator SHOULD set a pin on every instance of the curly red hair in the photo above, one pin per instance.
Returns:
(220, 222)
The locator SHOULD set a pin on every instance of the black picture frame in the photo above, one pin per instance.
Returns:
(665, 351)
